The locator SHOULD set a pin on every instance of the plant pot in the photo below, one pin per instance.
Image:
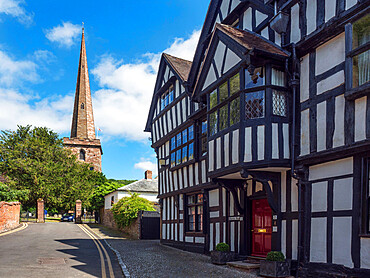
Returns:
(275, 269)
(220, 257)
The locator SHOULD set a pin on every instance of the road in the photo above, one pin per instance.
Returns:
(56, 250)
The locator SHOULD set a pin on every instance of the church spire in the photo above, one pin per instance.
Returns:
(83, 119)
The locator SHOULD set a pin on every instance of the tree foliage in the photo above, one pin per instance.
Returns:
(97, 197)
(35, 159)
(126, 210)
(8, 194)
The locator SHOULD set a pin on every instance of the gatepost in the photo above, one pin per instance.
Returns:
(78, 212)
(40, 213)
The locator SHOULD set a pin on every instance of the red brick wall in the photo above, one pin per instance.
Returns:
(9, 215)
(107, 220)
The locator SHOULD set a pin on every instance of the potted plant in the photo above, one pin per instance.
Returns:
(275, 265)
(222, 254)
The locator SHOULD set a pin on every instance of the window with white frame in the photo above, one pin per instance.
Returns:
(167, 97)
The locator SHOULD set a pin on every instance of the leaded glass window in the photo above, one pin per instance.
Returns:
(184, 136)
(235, 111)
(173, 159)
(184, 154)
(173, 143)
(279, 103)
(178, 140)
(278, 78)
(223, 91)
(255, 105)
(257, 78)
(191, 132)
(223, 122)
(182, 146)
(203, 138)
(178, 157)
(191, 151)
(167, 97)
(235, 84)
(213, 123)
(213, 99)
(194, 213)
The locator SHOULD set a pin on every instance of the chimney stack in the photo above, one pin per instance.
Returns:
(148, 175)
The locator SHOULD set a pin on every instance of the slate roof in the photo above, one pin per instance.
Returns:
(181, 66)
(144, 185)
(251, 40)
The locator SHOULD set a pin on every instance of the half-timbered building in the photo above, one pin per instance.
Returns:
(263, 139)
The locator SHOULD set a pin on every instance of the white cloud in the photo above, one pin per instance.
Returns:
(21, 109)
(121, 107)
(14, 73)
(14, 8)
(147, 165)
(65, 35)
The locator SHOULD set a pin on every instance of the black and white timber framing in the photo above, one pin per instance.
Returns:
(306, 147)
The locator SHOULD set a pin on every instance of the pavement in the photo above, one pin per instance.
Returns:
(148, 258)
(56, 250)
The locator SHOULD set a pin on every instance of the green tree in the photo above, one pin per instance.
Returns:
(125, 211)
(11, 195)
(35, 159)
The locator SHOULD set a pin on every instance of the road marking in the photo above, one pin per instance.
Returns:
(98, 243)
(24, 226)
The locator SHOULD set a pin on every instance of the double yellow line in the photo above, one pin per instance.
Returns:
(101, 249)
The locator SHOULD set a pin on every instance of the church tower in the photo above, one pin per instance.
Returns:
(83, 142)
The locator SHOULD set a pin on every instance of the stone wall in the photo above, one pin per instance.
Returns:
(9, 215)
(107, 220)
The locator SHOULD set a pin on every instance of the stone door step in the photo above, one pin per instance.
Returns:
(244, 265)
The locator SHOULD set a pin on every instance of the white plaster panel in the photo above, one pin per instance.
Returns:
(218, 233)
(196, 167)
(165, 123)
(294, 239)
(350, 3)
(260, 17)
(178, 108)
(183, 102)
(213, 214)
(248, 145)
(227, 149)
(360, 119)
(224, 233)
(177, 89)
(211, 77)
(231, 60)
(165, 78)
(295, 34)
(275, 141)
(213, 198)
(338, 137)
(247, 19)
(224, 202)
(232, 236)
(224, 8)
(211, 155)
(319, 196)
(211, 248)
(181, 232)
(331, 169)
(181, 202)
(199, 240)
(305, 132)
(218, 153)
(181, 185)
(318, 240)
(174, 122)
(294, 195)
(365, 253)
(191, 175)
(261, 142)
(330, 54)
(330, 7)
(235, 147)
(231, 205)
(265, 33)
(343, 191)
(163, 231)
(204, 172)
(175, 180)
(186, 183)
(283, 237)
(169, 121)
(168, 233)
(342, 238)
(286, 141)
(176, 239)
(189, 239)
(331, 82)
(305, 80)
(219, 55)
(321, 126)
(234, 4)
(277, 38)
(283, 191)
(311, 15)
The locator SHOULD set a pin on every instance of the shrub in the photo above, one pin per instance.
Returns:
(275, 256)
(125, 211)
(223, 247)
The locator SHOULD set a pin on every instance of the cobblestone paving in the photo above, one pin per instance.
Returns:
(148, 258)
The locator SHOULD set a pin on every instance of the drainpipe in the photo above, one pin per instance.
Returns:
(294, 83)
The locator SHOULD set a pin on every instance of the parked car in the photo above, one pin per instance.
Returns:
(68, 217)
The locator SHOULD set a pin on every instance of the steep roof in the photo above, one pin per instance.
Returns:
(251, 40)
(181, 66)
(144, 185)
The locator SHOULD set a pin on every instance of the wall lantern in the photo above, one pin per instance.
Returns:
(279, 22)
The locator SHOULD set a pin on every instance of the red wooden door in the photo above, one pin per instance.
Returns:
(261, 227)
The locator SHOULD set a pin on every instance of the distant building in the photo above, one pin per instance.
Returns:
(83, 142)
(147, 188)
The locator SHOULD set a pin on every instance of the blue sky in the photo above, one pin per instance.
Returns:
(39, 51)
